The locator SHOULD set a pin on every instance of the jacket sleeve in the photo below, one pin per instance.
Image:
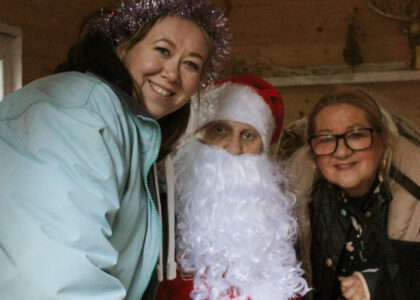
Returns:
(62, 178)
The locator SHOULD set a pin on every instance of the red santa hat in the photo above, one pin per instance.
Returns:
(247, 99)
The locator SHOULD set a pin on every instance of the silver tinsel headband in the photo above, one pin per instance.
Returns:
(117, 25)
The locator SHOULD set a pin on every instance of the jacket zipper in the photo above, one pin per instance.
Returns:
(149, 194)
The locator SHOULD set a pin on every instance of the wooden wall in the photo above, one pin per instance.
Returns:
(49, 28)
(312, 32)
(275, 35)
(269, 35)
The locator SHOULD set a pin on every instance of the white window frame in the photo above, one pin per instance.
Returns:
(11, 57)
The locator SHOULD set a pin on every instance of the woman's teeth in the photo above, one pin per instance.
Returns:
(343, 166)
(159, 90)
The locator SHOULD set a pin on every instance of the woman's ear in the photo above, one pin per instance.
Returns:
(121, 51)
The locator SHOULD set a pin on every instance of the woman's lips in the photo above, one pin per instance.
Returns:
(344, 166)
(160, 90)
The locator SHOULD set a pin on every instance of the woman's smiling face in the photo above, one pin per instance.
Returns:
(167, 64)
(353, 171)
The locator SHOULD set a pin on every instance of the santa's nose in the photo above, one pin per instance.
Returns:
(234, 146)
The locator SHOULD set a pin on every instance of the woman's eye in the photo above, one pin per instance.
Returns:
(162, 50)
(358, 134)
(326, 139)
(355, 135)
(193, 65)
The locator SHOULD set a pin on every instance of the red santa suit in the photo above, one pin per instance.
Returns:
(175, 289)
(178, 289)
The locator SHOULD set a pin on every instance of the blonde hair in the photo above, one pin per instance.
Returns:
(375, 114)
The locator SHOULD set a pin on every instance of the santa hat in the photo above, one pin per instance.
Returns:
(247, 99)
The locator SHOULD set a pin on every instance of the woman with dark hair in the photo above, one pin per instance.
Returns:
(78, 212)
(360, 224)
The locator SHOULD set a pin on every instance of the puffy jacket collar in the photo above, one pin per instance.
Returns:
(133, 105)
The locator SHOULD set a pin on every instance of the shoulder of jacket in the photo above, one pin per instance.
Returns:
(63, 90)
(407, 159)
(404, 213)
(300, 167)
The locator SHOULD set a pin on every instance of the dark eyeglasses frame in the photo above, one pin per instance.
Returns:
(342, 136)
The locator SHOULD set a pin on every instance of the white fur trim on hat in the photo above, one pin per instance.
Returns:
(236, 102)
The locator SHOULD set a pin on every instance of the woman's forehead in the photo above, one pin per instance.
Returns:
(340, 116)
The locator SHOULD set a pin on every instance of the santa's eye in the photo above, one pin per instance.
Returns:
(219, 129)
(248, 135)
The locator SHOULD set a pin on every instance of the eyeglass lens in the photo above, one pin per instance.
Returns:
(359, 139)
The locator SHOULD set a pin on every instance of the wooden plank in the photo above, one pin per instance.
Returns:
(349, 78)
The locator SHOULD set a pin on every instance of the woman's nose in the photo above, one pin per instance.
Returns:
(234, 145)
(342, 149)
(171, 70)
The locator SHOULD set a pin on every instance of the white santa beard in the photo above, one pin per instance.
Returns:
(234, 225)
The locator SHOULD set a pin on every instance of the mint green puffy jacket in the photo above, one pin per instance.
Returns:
(77, 220)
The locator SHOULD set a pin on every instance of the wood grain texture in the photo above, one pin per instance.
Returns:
(49, 28)
(283, 32)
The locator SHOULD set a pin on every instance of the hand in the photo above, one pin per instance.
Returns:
(352, 288)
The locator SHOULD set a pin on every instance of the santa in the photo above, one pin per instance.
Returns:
(235, 231)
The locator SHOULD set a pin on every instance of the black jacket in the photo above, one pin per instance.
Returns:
(331, 226)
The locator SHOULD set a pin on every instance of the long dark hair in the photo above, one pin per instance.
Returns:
(92, 53)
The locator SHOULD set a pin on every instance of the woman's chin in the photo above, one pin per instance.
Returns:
(352, 186)
(354, 190)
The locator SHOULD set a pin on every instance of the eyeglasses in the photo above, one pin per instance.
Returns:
(356, 139)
